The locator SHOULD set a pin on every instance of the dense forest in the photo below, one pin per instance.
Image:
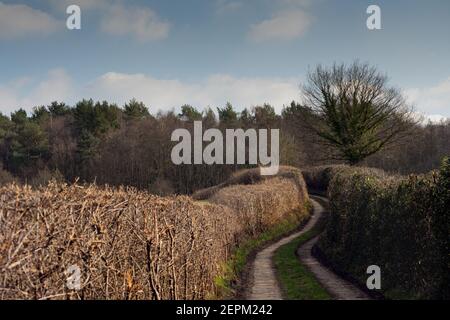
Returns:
(107, 144)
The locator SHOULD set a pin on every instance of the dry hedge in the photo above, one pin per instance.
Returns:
(252, 176)
(129, 244)
(259, 206)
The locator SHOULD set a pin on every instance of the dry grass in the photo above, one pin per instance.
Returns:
(129, 244)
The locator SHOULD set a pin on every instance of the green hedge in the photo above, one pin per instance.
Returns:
(398, 223)
(318, 178)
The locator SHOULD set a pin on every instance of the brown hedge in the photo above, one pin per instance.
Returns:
(252, 176)
(129, 244)
(259, 207)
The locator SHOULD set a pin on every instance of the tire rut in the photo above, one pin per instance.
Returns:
(264, 284)
(339, 288)
(263, 280)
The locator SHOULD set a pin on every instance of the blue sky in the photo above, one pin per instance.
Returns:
(208, 52)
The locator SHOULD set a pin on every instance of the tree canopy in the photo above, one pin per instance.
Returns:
(353, 109)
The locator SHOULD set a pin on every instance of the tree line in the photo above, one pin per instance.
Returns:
(349, 115)
(98, 141)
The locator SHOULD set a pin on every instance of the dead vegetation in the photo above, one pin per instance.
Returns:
(129, 244)
(259, 206)
(252, 176)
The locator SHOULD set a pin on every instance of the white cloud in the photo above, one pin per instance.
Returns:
(223, 6)
(302, 3)
(159, 94)
(140, 22)
(432, 103)
(8, 101)
(18, 20)
(433, 100)
(57, 86)
(435, 118)
(286, 25)
(26, 93)
(119, 87)
(83, 4)
(213, 91)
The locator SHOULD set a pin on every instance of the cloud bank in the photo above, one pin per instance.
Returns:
(56, 85)
(18, 21)
(61, 5)
(166, 94)
(158, 94)
(139, 22)
(286, 25)
(433, 101)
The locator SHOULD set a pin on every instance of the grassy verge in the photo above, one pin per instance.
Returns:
(234, 267)
(296, 281)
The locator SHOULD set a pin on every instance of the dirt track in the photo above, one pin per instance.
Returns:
(263, 283)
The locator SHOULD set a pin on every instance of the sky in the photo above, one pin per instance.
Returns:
(210, 52)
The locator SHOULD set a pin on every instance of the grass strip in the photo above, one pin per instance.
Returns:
(233, 268)
(297, 282)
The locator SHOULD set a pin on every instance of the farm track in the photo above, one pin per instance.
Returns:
(264, 285)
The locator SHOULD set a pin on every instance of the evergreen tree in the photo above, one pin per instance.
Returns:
(265, 116)
(28, 144)
(227, 115)
(40, 114)
(209, 118)
(189, 113)
(58, 109)
(135, 110)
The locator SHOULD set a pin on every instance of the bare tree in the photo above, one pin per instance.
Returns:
(352, 109)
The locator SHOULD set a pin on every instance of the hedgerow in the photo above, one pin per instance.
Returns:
(129, 244)
(400, 223)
